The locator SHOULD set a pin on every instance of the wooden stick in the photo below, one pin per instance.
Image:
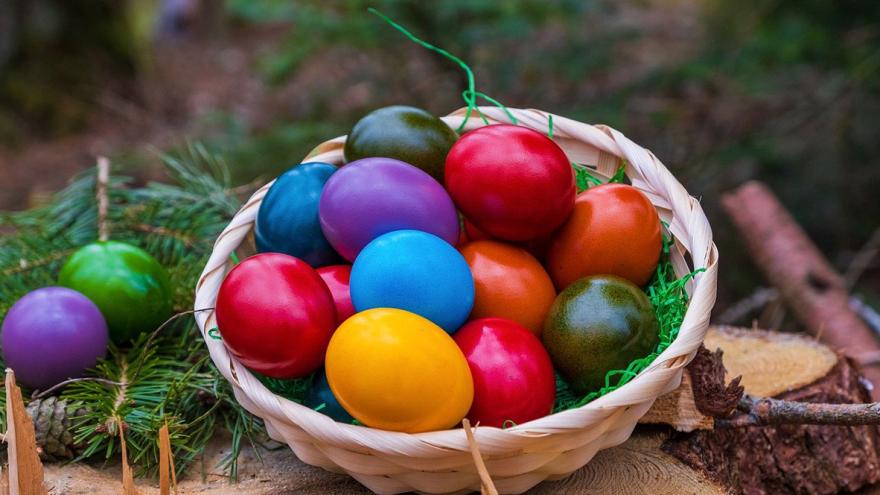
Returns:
(763, 411)
(102, 196)
(25, 468)
(486, 484)
(128, 486)
(167, 474)
(810, 287)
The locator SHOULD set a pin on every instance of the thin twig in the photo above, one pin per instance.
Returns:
(762, 411)
(101, 194)
(39, 394)
(159, 329)
(866, 312)
(748, 305)
(862, 259)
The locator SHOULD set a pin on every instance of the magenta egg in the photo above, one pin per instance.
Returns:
(337, 278)
(374, 196)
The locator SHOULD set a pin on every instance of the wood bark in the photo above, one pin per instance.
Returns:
(809, 285)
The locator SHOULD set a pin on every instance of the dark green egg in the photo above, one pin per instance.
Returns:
(321, 399)
(405, 133)
(598, 324)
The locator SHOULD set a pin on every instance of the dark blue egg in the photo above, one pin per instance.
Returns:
(288, 218)
(321, 399)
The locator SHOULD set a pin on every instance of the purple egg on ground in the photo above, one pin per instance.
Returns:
(52, 334)
(374, 196)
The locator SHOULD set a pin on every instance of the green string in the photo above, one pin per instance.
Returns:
(550, 125)
(234, 258)
(214, 333)
(469, 95)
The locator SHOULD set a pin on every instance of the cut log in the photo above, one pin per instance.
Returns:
(787, 458)
(769, 363)
(638, 467)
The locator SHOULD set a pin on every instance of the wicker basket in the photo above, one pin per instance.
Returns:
(522, 456)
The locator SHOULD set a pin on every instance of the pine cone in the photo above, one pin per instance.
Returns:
(52, 420)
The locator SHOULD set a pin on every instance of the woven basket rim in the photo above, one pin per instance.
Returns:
(607, 142)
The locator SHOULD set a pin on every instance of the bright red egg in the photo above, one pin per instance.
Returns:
(511, 182)
(276, 315)
(336, 277)
(513, 375)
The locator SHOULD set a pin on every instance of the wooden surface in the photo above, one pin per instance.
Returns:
(769, 363)
(637, 467)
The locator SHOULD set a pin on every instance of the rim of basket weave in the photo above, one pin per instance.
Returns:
(597, 145)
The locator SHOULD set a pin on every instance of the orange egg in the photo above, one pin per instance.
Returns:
(613, 230)
(510, 283)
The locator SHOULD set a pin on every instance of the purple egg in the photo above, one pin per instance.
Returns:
(374, 196)
(52, 334)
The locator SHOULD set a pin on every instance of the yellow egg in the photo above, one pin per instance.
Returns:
(394, 370)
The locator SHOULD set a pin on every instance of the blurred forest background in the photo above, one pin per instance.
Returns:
(786, 91)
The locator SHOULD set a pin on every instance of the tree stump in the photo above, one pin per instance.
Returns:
(785, 458)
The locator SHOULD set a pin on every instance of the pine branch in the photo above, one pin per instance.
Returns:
(164, 377)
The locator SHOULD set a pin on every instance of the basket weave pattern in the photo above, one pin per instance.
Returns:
(523, 455)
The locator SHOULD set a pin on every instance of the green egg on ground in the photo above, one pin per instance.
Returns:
(404, 133)
(127, 284)
(598, 324)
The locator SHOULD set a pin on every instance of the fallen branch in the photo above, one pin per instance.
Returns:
(763, 411)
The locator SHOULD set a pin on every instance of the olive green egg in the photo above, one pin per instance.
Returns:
(405, 133)
(598, 324)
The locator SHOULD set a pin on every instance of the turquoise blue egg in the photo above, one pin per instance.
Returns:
(288, 218)
(321, 399)
(417, 272)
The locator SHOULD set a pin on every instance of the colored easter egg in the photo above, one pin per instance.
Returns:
(374, 196)
(415, 271)
(513, 375)
(472, 232)
(511, 182)
(128, 285)
(404, 133)
(288, 218)
(276, 315)
(394, 370)
(337, 279)
(596, 325)
(509, 283)
(52, 334)
(613, 230)
(321, 399)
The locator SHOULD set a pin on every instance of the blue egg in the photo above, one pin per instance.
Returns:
(288, 218)
(415, 271)
(321, 399)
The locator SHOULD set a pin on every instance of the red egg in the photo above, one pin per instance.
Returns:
(513, 375)
(276, 315)
(336, 277)
(511, 182)
(473, 233)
